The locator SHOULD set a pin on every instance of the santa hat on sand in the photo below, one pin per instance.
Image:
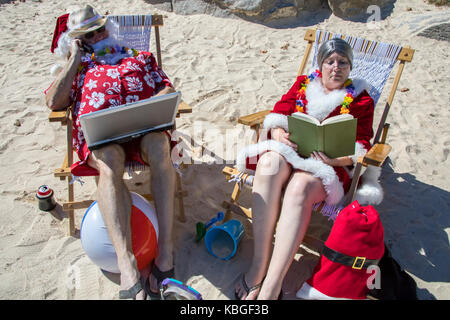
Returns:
(356, 241)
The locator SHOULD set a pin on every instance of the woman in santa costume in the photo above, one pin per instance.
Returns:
(278, 168)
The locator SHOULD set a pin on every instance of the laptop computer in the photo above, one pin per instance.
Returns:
(129, 121)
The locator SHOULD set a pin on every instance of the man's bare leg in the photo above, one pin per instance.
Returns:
(156, 151)
(114, 201)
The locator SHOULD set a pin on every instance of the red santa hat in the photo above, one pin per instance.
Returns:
(356, 241)
(60, 28)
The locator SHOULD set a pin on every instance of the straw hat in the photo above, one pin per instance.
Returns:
(84, 20)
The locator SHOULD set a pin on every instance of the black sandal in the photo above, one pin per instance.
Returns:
(160, 276)
(255, 287)
(246, 288)
(132, 292)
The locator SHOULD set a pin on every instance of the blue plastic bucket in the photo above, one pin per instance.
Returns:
(222, 240)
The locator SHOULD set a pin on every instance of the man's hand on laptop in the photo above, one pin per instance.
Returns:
(165, 90)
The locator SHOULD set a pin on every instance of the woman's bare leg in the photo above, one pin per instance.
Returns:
(302, 191)
(272, 173)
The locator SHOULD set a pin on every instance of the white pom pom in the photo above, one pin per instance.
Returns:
(55, 69)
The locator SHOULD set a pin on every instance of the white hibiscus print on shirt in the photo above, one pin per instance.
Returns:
(114, 102)
(91, 84)
(113, 73)
(96, 100)
(130, 99)
(149, 80)
(134, 84)
(156, 76)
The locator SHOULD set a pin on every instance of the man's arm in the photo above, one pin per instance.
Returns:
(58, 96)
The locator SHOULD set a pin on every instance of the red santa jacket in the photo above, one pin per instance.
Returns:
(336, 180)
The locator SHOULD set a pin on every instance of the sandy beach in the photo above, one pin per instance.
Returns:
(225, 68)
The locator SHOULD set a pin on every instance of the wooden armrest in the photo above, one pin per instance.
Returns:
(228, 172)
(183, 107)
(377, 154)
(59, 116)
(254, 118)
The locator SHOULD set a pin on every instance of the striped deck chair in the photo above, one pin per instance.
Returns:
(135, 31)
(372, 61)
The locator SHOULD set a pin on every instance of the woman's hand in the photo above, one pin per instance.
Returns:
(280, 135)
(336, 162)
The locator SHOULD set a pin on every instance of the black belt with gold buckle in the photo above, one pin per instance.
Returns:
(354, 262)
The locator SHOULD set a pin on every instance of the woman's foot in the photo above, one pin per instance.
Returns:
(247, 288)
(271, 290)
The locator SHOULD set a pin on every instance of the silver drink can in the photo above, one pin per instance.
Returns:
(46, 200)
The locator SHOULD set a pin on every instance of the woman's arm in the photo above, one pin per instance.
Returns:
(58, 96)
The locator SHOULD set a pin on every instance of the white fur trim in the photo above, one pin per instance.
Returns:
(275, 120)
(321, 104)
(370, 190)
(307, 292)
(330, 180)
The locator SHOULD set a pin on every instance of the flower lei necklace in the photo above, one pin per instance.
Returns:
(113, 50)
(109, 50)
(301, 101)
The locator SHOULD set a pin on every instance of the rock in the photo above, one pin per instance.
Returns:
(255, 10)
(353, 8)
(268, 10)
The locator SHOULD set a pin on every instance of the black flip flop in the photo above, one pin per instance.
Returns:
(255, 287)
(160, 276)
(246, 288)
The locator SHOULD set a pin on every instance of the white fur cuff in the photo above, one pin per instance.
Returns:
(276, 120)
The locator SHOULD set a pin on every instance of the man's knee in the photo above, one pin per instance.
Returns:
(155, 148)
(109, 159)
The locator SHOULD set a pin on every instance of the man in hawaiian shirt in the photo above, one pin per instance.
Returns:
(111, 76)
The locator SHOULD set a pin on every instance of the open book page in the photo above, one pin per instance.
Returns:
(339, 118)
(306, 117)
(311, 119)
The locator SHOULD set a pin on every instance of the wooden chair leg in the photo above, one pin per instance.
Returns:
(71, 212)
(355, 180)
(234, 200)
(179, 194)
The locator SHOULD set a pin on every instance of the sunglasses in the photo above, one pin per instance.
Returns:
(89, 35)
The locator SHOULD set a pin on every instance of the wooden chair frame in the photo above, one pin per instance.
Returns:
(64, 117)
(375, 156)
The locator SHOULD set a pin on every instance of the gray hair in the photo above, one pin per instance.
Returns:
(334, 45)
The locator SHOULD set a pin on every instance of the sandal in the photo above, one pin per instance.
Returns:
(255, 287)
(246, 288)
(160, 276)
(132, 292)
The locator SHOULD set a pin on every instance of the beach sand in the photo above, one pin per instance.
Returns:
(225, 68)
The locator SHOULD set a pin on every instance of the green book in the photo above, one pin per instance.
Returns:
(335, 136)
